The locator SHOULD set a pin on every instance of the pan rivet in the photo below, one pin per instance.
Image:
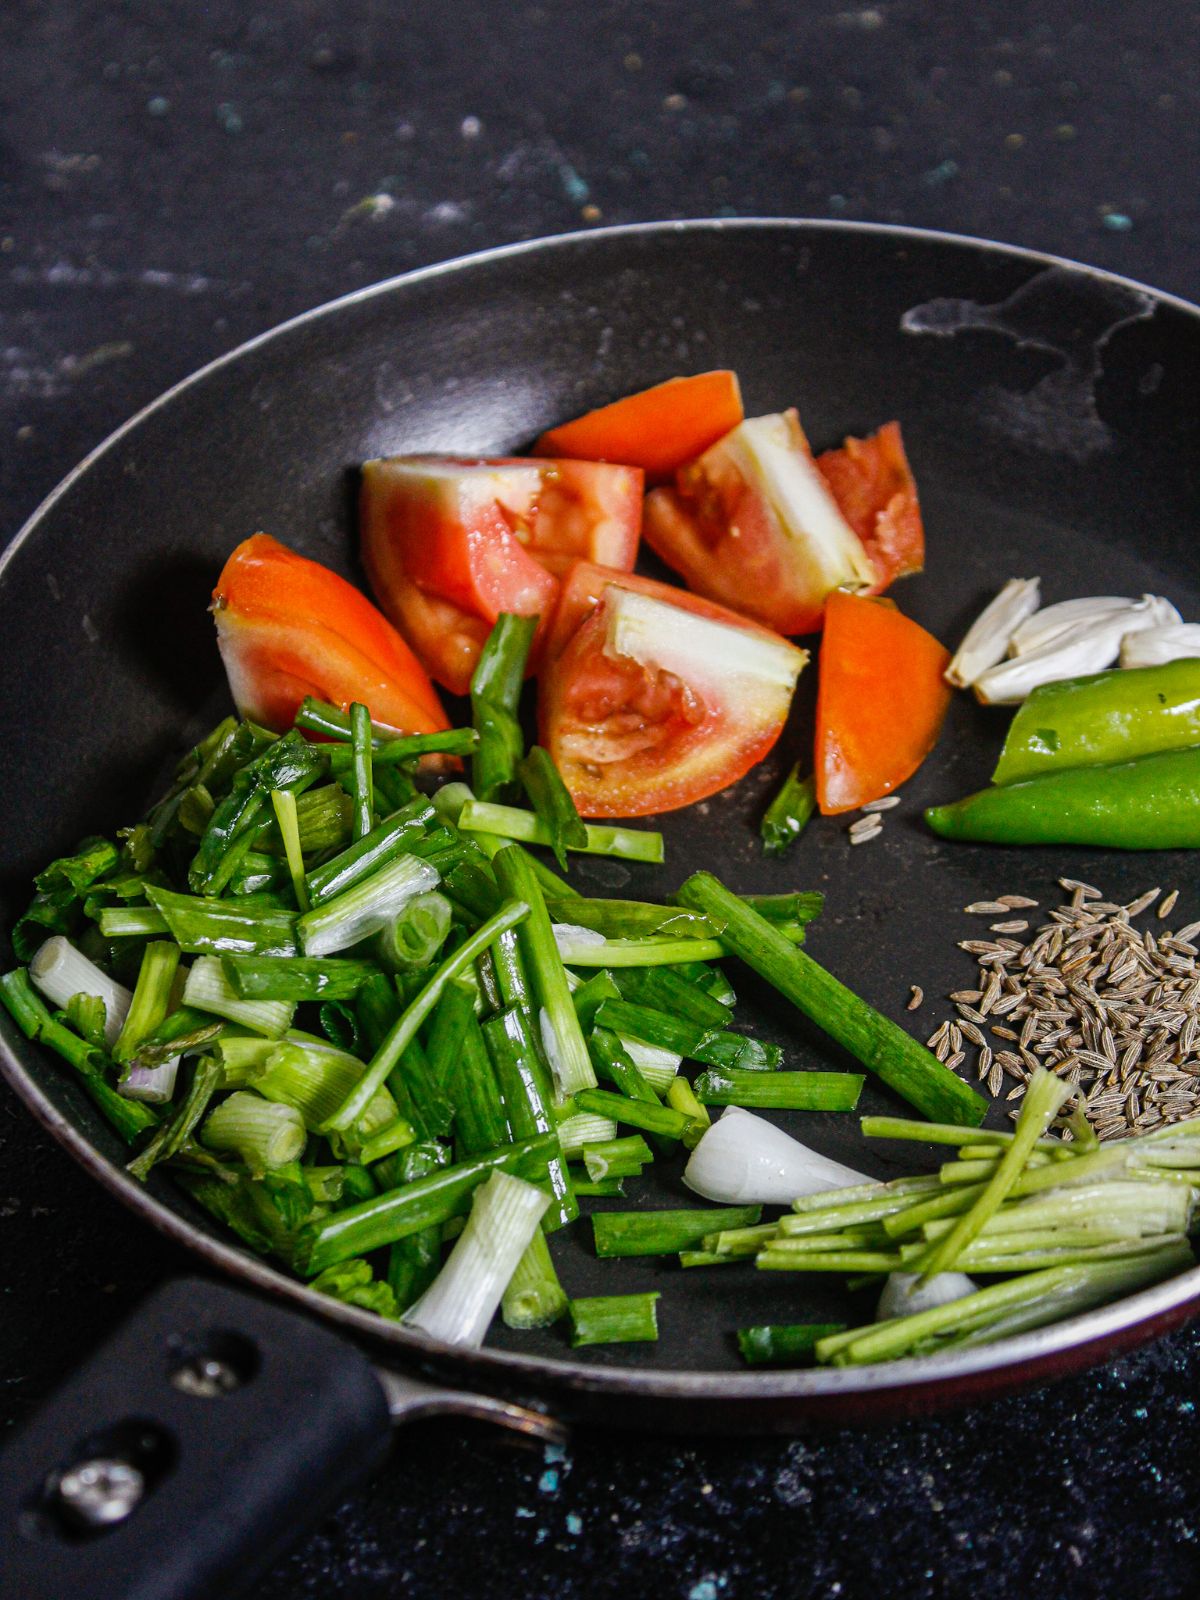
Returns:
(100, 1492)
(207, 1377)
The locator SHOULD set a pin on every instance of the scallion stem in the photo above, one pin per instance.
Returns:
(664, 1233)
(614, 1319)
(264, 1133)
(283, 803)
(551, 801)
(629, 844)
(534, 1297)
(495, 693)
(781, 1091)
(789, 812)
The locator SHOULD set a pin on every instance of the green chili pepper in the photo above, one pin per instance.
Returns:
(1149, 804)
(1109, 716)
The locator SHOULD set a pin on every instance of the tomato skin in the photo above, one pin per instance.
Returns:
(287, 627)
(631, 740)
(450, 542)
(873, 485)
(657, 429)
(751, 523)
(881, 700)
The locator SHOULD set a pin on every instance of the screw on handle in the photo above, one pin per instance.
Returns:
(209, 1432)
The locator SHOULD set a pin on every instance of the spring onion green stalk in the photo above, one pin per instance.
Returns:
(1045, 1095)
(528, 1097)
(131, 922)
(174, 1131)
(880, 1044)
(658, 1067)
(664, 1233)
(583, 1128)
(393, 1136)
(460, 1303)
(782, 1256)
(509, 822)
(354, 1283)
(287, 763)
(314, 1078)
(366, 909)
(614, 1063)
(182, 1031)
(616, 1158)
(206, 926)
(534, 1297)
(323, 818)
(408, 749)
(580, 947)
(412, 1081)
(360, 770)
(634, 1113)
(709, 978)
(783, 1344)
(495, 692)
(630, 919)
(780, 1091)
(295, 978)
(590, 994)
(240, 1057)
(446, 1193)
(681, 1096)
(395, 836)
(664, 990)
(789, 813)
(447, 1026)
(414, 1261)
(741, 1242)
(716, 1047)
(744, 1158)
(561, 1035)
(264, 1133)
(412, 939)
(480, 1120)
(283, 803)
(151, 998)
(405, 1027)
(614, 1319)
(600, 1188)
(85, 1013)
(208, 989)
(551, 801)
(60, 971)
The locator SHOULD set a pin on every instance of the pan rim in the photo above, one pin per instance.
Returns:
(488, 1366)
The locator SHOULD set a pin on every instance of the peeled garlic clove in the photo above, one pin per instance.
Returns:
(1084, 648)
(1154, 647)
(1051, 622)
(988, 636)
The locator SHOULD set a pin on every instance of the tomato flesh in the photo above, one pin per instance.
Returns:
(873, 485)
(449, 543)
(881, 700)
(288, 627)
(631, 736)
(751, 523)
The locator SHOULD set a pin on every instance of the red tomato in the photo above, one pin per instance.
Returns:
(288, 627)
(881, 699)
(449, 543)
(873, 484)
(752, 523)
(651, 698)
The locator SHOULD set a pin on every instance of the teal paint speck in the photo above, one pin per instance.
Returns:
(1117, 221)
(159, 106)
(940, 174)
(548, 1482)
(706, 1589)
(574, 187)
(574, 1523)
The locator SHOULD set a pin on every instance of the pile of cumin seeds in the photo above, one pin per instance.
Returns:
(1101, 1003)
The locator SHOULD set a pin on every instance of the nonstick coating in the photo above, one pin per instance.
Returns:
(1051, 416)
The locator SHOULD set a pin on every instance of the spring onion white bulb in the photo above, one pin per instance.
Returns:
(1154, 647)
(461, 1301)
(659, 1067)
(154, 1085)
(585, 1127)
(265, 1133)
(904, 1293)
(571, 938)
(208, 989)
(61, 972)
(743, 1158)
(988, 637)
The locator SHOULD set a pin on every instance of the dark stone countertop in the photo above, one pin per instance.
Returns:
(175, 178)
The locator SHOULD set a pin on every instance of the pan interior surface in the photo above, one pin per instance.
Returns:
(1052, 419)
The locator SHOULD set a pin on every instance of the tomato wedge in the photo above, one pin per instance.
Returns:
(874, 487)
(881, 699)
(450, 542)
(657, 429)
(288, 627)
(651, 699)
(752, 523)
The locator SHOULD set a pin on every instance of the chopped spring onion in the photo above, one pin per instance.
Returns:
(906, 1292)
(534, 1297)
(394, 836)
(61, 971)
(528, 1097)
(716, 1047)
(283, 803)
(171, 1134)
(296, 978)
(495, 691)
(788, 814)
(412, 939)
(782, 1091)
(551, 801)
(264, 1133)
(365, 909)
(664, 1233)
(314, 1078)
(746, 1158)
(879, 1043)
(131, 922)
(208, 989)
(509, 822)
(360, 769)
(783, 1344)
(659, 1067)
(151, 997)
(580, 948)
(616, 1158)
(634, 1113)
(460, 1303)
(614, 1319)
(584, 1127)
(204, 926)
(682, 1096)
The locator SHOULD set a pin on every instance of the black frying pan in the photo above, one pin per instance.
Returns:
(1053, 419)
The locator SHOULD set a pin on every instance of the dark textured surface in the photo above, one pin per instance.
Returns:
(176, 183)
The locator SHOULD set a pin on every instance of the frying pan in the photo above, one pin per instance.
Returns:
(1053, 419)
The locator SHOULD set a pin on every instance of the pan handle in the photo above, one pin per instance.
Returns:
(209, 1432)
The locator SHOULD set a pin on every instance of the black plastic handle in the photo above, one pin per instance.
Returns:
(209, 1432)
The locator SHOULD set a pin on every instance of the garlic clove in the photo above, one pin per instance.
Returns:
(1083, 648)
(988, 636)
(1154, 647)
